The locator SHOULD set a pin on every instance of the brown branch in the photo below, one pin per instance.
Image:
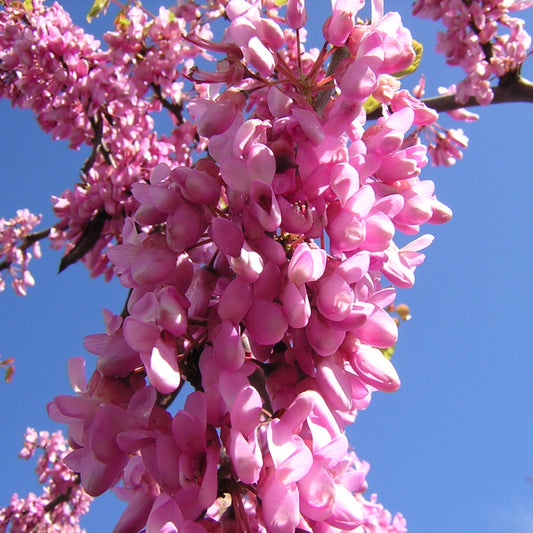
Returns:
(512, 88)
(323, 97)
(175, 109)
(98, 145)
(61, 498)
(98, 131)
(30, 239)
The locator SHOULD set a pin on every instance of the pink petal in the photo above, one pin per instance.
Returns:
(375, 369)
(76, 374)
(140, 335)
(235, 301)
(317, 493)
(261, 163)
(246, 457)
(227, 236)
(324, 340)
(280, 506)
(266, 322)
(348, 512)
(291, 457)
(162, 367)
(165, 516)
(306, 264)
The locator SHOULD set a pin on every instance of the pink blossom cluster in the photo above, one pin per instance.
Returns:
(482, 38)
(260, 273)
(103, 99)
(445, 145)
(63, 502)
(14, 254)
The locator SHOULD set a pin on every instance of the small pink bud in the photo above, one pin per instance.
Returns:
(227, 236)
(266, 322)
(306, 264)
(296, 16)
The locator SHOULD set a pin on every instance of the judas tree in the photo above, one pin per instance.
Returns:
(258, 244)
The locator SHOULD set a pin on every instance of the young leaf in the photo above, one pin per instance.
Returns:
(371, 104)
(418, 48)
(97, 7)
(388, 352)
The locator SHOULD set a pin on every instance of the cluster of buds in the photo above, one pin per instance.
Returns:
(481, 37)
(62, 503)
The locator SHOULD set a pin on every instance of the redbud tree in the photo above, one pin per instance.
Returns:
(260, 241)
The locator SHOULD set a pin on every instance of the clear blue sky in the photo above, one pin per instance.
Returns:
(452, 449)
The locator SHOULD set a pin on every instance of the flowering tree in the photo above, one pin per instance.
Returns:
(256, 241)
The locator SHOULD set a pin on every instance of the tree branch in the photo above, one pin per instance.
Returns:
(323, 97)
(30, 239)
(175, 109)
(512, 88)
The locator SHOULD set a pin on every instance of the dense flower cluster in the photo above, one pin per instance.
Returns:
(445, 145)
(482, 38)
(14, 244)
(102, 99)
(256, 274)
(63, 502)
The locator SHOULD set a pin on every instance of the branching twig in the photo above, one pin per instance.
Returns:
(98, 129)
(29, 240)
(512, 88)
(175, 109)
(98, 144)
(62, 498)
(323, 97)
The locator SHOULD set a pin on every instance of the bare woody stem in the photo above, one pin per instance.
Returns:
(175, 109)
(323, 97)
(30, 239)
(511, 88)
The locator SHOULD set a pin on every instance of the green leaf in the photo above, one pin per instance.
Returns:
(371, 104)
(418, 48)
(28, 5)
(97, 7)
(388, 352)
(123, 22)
(280, 3)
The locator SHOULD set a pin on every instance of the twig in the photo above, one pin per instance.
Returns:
(323, 97)
(175, 109)
(30, 239)
(511, 88)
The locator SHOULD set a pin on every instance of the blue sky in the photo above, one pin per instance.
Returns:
(451, 449)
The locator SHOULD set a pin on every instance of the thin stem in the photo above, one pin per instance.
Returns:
(512, 88)
(286, 71)
(175, 109)
(323, 98)
(30, 239)
(298, 55)
(322, 56)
